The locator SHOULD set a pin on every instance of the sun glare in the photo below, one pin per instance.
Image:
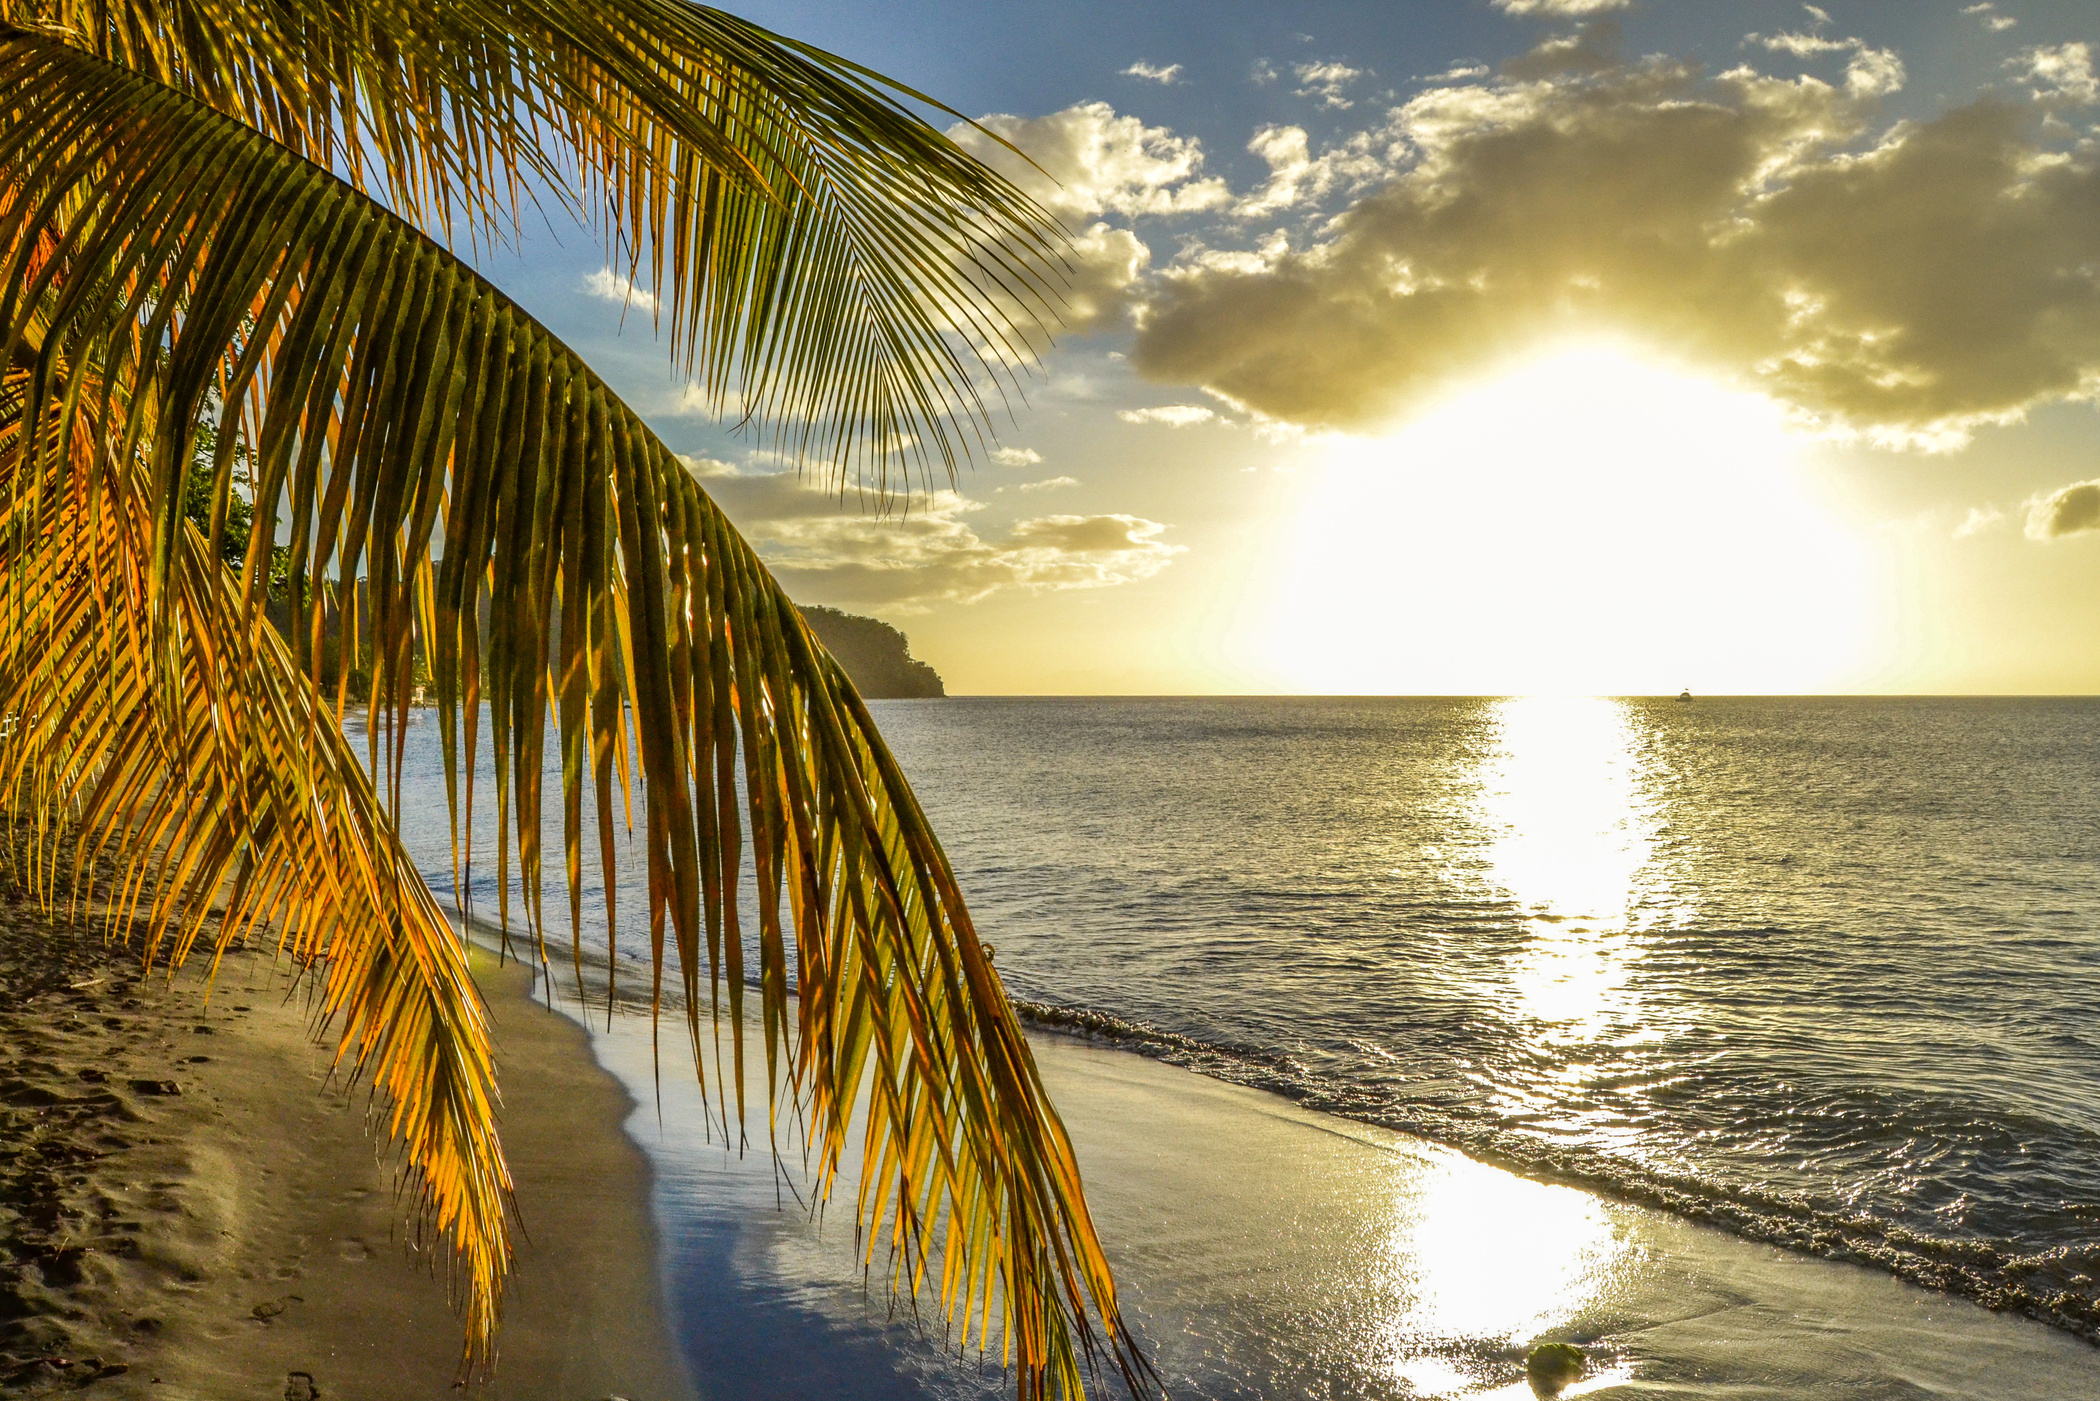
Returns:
(1585, 523)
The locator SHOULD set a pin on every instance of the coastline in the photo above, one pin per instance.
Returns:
(1264, 1249)
(223, 1225)
(239, 1236)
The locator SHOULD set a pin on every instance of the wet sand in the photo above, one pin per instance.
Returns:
(1269, 1251)
(191, 1211)
(237, 1237)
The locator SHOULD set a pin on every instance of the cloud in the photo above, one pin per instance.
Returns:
(1979, 519)
(2070, 510)
(1093, 162)
(1153, 72)
(607, 286)
(1986, 16)
(824, 551)
(1296, 176)
(1261, 72)
(1907, 283)
(1050, 484)
(2061, 74)
(1326, 81)
(1871, 72)
(1090, 162)
(1173, 415)
(1591, 49)
(1016, 457)
(1560, 9)
(1103, 264)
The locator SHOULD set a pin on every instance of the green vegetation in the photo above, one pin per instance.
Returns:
(233, 315)
(876, 656)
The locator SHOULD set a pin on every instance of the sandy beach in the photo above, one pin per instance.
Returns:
(194, 1212)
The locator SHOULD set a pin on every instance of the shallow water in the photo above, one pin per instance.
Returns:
(1821, 971)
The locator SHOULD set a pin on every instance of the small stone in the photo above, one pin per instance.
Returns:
(1552, 1367)
(267, 1310)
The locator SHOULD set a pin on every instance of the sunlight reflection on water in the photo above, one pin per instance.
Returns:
(1483, 1261)
(1573, 822)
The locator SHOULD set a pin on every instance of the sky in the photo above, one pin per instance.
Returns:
(1487, 347)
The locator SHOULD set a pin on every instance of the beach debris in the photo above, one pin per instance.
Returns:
(1552, 1367)
(299, 1386)
(268, 1309)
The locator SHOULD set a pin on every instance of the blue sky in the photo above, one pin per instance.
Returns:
(1470, 346)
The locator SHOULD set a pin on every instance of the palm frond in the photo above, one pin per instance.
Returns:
(831, 265)
(389, 398)
(247, 796)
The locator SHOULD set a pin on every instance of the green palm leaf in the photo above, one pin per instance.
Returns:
(165, 263)
(821, 248)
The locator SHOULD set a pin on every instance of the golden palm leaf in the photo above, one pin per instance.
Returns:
(170, 259)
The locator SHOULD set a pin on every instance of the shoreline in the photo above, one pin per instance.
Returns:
(1264, 1249)
(223, 1225)
(239, 1236)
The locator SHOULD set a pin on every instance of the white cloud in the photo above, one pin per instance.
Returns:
(607, 286)
(2070, 510)
(1326, 81)
(1297, 177)
(1152, 72)
(1871, 72)
(1090, 162)
(1050, 484)
(1173, 415)
(2060, 74)
(1987, 16)
(1560, 9)
(1874, 73)
(1979, 519)
(1905, 283)
(1016, 457)
(1261, 72)
(824, 551)
(1093, 162)
(1803, 45)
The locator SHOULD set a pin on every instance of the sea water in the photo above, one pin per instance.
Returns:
(1821, 972)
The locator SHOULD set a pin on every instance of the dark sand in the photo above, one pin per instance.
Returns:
(189, 1211)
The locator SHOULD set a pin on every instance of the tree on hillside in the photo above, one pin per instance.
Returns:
(229, 230)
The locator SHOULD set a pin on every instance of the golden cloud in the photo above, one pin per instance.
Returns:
(825, 551)
(1909, 285)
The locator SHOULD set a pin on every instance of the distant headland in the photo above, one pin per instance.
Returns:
(877, 656)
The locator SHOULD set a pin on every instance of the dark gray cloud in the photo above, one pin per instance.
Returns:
(2069, 510)
(1908, 282)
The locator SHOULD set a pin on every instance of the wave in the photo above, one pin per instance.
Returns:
(2059, 1286)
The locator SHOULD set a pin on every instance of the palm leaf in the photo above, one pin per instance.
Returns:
(390, 399)
(248, 792)
(821, 249)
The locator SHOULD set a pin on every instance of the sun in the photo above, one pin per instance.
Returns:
(1585, 522)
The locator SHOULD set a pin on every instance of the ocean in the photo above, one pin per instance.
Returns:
(1821, 972)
